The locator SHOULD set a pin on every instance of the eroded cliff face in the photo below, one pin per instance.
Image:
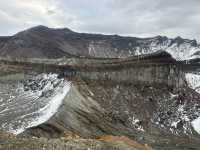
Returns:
(157, 68)
(169, 74)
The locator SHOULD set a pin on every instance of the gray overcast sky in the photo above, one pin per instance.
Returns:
(125, 17)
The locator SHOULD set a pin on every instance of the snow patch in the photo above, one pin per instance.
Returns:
(137, 124)
(45, 113)
(193, 81)
(179, 51)
(34, 102)
(196, 125)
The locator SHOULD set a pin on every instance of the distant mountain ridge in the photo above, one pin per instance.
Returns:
(44, 42)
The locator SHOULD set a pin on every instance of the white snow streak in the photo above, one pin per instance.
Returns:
(196, 125)
(193, 81)
(50, 108)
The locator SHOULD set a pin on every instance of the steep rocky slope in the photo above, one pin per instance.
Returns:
(43, 42)
(105, 97)
(30, 102)
(145, 113)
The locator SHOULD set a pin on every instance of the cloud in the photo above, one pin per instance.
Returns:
(18, 15)
(149, 18)
(126, 17)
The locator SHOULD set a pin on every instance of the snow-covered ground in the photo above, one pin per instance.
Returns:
(184, 51)
(180, 51)
(196, 125)
(179, 48)
(193, 81)
(33, 102)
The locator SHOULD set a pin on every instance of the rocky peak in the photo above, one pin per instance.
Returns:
(44, 42)
(178, 40)
(194, 43)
